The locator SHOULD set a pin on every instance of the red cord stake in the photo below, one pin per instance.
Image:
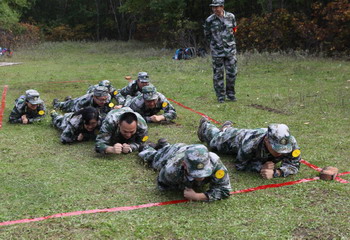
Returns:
(3, 104)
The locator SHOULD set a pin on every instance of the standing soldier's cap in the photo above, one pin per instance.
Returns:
(33, 97)
(101, 91)
(198, 162)
(105, 83)
(149, 92)
(217, 3)
(143, 77)
(279, 138)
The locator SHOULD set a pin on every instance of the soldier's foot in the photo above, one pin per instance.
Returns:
(221, 100)
(226, 125)
(162, 142)
(147, 145)
(53, 113)
(201, 128)
(68, 98)
(232, 98)
(55, 103)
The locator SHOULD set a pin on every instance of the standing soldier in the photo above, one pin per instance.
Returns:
(99, 99)
(256, 150)
(219, 30)
(122, 131)
(133, 89)
(105, 83)
(188, 168)
(28, 108)
(150, 103)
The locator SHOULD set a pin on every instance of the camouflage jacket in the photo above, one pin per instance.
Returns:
(86, 100)
(138, 105)
(219, 33)
(251, 151)
(132, 89)
(21, 109)
(71, 126)
(172, 175)
(113, 92)
(110, 132)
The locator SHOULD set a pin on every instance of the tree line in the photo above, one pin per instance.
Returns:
(262, 24)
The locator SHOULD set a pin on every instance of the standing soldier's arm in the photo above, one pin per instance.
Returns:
(207, 31)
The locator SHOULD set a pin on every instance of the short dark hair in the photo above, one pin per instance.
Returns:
(87, 114)
(128, 117)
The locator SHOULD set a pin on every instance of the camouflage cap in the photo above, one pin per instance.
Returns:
(143, 77)
(279, 138)
(149, 92)
(217, 3)
(105, 83)
(101, 91)
(198, 162)
(33, 97)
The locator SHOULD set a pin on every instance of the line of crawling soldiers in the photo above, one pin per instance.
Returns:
(122, 129)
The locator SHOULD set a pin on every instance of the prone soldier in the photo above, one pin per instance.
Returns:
(189, 168)
(29, 108)
(257, 150)
(105, 83)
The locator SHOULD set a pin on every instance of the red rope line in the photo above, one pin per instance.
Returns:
(3, 104)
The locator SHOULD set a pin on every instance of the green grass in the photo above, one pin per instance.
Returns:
(40, 177)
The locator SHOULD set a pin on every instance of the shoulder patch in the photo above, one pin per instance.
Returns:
(296, 153)
(220, 174)
(164, 104)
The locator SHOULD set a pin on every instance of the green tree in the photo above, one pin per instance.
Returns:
(10, 12)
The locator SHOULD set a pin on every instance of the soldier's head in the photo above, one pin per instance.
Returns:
(278, 139)
(101, 95)
(33, 99)
(142, 79)
(105, 83)
(90, 118)
(218, 7)
(197, 162)
(150, 95)
(128, 124)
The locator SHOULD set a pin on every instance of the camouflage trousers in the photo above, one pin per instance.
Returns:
(66, 106)
(229, 142)
(57, 121)
(220, 64)
(157, 159)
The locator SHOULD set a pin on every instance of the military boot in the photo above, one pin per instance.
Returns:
(225, 125)
(162, 142)
(55, 103)
(201, 128)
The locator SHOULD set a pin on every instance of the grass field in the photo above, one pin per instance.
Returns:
(41, 177)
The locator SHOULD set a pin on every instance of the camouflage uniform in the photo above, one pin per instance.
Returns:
(76, 104)
(132, 89)
(138, 104)
(71, 126)
(219, 32)
(110, 132)
(172, 174)
(106, 83)
(21, 108)
(249, 148)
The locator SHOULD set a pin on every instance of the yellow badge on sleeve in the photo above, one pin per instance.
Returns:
(296, 153)
(41, 112)
(111, 105)
(145, 138)
(115, 92)
(164, 104)
(220, 174)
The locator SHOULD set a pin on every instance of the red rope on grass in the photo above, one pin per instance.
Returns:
(3, 104)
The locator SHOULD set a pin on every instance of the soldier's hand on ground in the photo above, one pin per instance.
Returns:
(190, 194)
(80, 137)
(118, 148)
(118, 106)
(126, 148)
(268, 165)
(24, 119)
(157, 118)
(267, 173)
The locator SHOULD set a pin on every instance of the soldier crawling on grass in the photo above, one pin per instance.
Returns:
(82, 125)
(105, 83)
(133, 89)
(122, 131)
(99, 99)
(29, 108)
(188, 168)
(256, 150)
(150, 103)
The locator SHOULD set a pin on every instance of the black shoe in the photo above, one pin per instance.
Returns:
(55, 103)
(221, 100)
(162, 142)
(232, 99)
(225, 125)
(201, 127)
